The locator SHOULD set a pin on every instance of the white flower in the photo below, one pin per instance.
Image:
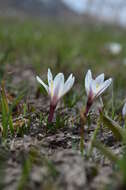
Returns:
(114, 48)
(56, 87)
(95, 87)
(124, 110)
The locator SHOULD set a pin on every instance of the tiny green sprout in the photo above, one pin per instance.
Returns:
(56, 89)
(59, 123)
(24, 109)
(41, 118)
(71, 99)
(22, 126)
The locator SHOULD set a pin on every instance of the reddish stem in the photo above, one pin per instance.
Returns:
(51, 113)
(88, 105)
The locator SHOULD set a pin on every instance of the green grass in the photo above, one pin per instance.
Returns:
(63, 48)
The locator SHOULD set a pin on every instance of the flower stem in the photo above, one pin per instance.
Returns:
(88, 105)
(82, 140)
(51, 113)
(83, 120)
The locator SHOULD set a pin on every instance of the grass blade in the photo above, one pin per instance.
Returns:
(25, 173)
(6, 115)
(93, 138)
(105, 151)
(113, 126)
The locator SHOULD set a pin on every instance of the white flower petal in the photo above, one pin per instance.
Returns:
(50, 77)
(88, 81)
(42, 83)
(68, 81)
(104, 86)
(124, 110)
(58, 85)
(100, 79)
(94, 87)
(68, 84)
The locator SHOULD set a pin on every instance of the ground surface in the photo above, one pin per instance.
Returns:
(48, 157)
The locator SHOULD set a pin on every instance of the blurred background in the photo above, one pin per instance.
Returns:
(106, 10)
(66, 35)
